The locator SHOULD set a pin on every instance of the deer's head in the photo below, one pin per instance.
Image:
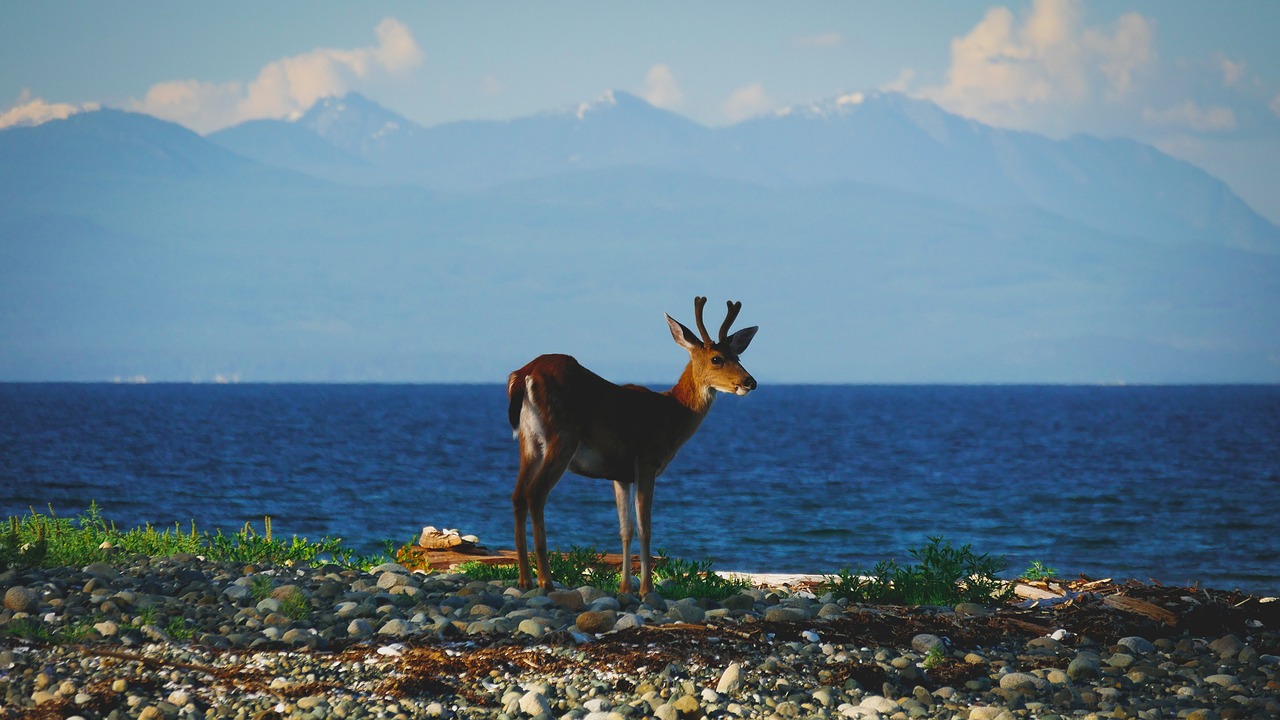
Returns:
(714, 363)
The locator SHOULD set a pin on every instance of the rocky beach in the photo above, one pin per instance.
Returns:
(181, 637)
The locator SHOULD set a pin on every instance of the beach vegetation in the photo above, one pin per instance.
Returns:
(941, 575)
(1039, 571)
(295, 606)
(935, 657)
(179, 629)
(48, 540)
(676, 577)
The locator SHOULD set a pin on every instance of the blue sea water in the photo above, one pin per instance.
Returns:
(1175, 484)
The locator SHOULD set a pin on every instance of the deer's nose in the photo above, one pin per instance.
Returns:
(749, 383)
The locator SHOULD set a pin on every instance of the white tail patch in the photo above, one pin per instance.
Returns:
(533, 427)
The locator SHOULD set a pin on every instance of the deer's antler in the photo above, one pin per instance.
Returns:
(730, 316)
(698, 304)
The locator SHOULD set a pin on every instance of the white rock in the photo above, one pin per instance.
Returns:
(730, 679)
(880, 704)
(534, 704)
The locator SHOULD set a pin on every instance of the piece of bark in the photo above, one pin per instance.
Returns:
(1141, 607)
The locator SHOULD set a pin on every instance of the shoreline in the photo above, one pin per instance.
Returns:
(183, 638)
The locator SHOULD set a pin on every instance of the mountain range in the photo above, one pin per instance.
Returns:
(873, 237)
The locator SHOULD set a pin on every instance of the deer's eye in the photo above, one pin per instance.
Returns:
(717, 360)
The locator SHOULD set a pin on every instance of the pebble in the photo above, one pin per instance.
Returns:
(730, 680)
(184, 616)
(21, 599)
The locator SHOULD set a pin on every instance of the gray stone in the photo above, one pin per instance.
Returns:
(532, 628)
(604, 603)
(359, 627)
(395, 626)
(101, 570)
(1083, 666)
(824, 697)
(388, 580)
(739, 603)
(830, 611)
(1222, 680)
(627, 621)
(1120, 660)
(1024, 682)
(924, 642)
(780, 613)
(686, 613)
(1227, 646)
(1137, 645)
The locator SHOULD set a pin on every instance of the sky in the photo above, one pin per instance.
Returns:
(1199, 80)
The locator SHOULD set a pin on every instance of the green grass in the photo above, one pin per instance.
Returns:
(941, 575)
(178, 629)
(579, 566)
(39, 540)
(935, 657)
(31, 629)
(1039, 571)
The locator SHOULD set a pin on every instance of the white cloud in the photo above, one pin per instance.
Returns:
(820, 40)
(1124, 53)
(661, 89)
(1275, 105)
(284, 87)
(1232, 72)
(491, 86)
(29, 111)
(746, 102)
(902, 83)
(1190, 115)
(1007, 69)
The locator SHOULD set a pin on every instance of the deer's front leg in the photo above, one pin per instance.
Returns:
(644, 516)
(624, 494)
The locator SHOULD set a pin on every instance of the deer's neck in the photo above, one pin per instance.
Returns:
(693, 395)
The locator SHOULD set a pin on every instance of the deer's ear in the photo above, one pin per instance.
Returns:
(739, 341)
(684, 337)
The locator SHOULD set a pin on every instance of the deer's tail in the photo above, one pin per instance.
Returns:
(515, 401)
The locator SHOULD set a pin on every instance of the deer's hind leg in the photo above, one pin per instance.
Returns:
(557, 455)
(530, 464)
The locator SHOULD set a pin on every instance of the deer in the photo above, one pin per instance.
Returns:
(569, 418)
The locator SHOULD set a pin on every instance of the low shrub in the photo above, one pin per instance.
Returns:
(942, 575)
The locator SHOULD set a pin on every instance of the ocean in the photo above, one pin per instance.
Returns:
(1177, 484)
